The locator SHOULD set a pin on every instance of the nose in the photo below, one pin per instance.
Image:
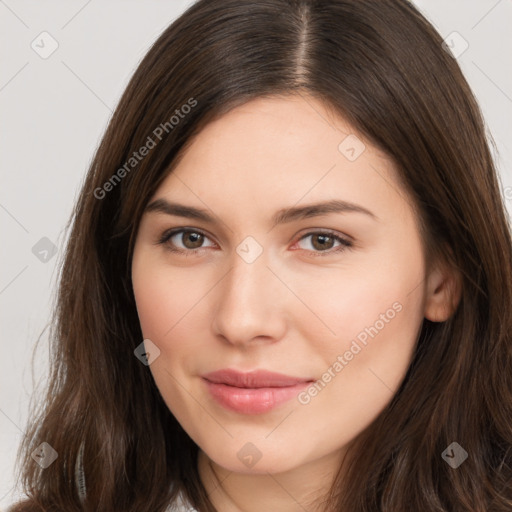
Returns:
(251, 304)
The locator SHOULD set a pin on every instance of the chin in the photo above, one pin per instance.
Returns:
(247, 460)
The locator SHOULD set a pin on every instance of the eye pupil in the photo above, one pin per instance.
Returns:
(322, 239)
(196, 239)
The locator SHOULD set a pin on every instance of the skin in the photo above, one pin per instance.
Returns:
(293, 310)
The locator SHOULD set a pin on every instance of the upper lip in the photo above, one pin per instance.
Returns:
(253, 379)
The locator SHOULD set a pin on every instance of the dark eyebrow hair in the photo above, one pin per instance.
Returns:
(281, 217)
(317, 209)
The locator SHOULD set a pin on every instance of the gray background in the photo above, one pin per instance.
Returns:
(54, 111)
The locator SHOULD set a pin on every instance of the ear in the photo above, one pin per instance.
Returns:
(443, 291)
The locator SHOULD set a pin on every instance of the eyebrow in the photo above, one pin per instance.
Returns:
(282, 216)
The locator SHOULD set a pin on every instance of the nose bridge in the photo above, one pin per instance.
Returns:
(249, 277)
(249, 299)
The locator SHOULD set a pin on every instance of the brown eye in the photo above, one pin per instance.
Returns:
(322, 242)
(192, 240)
(185, 240)
(327, 243)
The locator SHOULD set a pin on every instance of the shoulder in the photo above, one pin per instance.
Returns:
(181, 504)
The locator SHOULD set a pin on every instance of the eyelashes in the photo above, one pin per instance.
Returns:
(199, 237)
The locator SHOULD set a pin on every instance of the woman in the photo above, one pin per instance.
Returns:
(288, 284)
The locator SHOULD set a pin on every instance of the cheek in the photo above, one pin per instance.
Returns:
(349, 304)
(376, 315)
(373, 315)
(164, 298)
(364, 366)
(166, 301)
(170, 305)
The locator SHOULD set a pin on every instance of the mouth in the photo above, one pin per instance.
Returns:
(253, 392)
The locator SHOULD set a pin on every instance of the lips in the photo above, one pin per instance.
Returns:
(253, 392)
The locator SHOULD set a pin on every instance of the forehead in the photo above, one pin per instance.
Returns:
(279, 151)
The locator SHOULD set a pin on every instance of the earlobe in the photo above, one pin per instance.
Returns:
(443, 293)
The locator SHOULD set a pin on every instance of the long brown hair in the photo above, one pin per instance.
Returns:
(380, 65)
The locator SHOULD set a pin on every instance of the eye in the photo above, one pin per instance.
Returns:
(324, 243)
(184, 240)
(188, 241)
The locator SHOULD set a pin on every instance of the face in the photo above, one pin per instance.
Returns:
(293, 251)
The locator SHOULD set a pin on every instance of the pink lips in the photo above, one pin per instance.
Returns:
(253, 392)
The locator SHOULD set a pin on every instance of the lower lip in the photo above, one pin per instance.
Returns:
(253, 400)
